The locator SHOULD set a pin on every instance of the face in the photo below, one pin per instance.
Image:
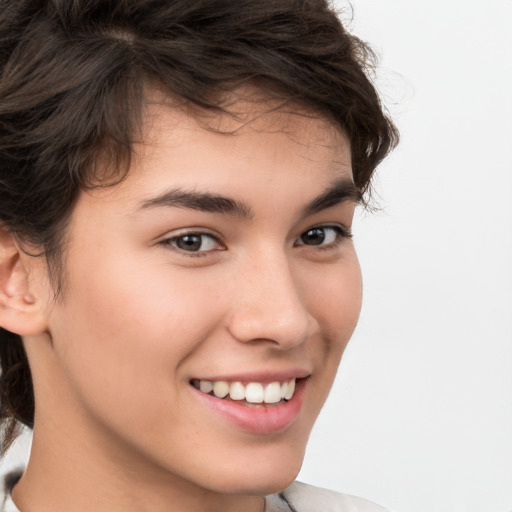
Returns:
(199, 292)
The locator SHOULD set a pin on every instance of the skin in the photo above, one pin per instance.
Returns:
(118, 425)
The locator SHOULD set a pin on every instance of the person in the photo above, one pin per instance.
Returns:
(177, 276)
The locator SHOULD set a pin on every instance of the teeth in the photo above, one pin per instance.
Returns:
(290, 390)
(206, 386)
(237, 391)
(272, 393)
(220, 389)
(253, 392)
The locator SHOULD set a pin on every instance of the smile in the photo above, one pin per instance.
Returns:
(252, 392)
(261, 406)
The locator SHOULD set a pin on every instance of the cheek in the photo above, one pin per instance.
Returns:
(336, 306)
(128, 332)
(149, 305)
(335, 300)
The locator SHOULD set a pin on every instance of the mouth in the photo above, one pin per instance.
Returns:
(250, 393)
(257, 404)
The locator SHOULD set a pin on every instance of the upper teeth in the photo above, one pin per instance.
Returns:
(253, 392)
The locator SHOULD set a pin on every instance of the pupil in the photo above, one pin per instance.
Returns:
(314, 236)
(189, 242)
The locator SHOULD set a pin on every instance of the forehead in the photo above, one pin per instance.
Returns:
(248, 114)
(254, 141)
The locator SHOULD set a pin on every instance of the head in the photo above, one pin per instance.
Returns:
(114, 113)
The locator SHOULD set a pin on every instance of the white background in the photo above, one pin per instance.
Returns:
(420, 419)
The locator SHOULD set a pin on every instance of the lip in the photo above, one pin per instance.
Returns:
(259, 419)
(262, 377)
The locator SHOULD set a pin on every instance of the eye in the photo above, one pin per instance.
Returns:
(323, 235)
(194, 242)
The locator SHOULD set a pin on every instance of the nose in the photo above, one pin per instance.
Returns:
(270, 304)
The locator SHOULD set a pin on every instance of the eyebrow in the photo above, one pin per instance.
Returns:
(202, 201)
(340, 191)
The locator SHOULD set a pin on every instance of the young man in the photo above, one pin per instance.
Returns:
(177, 276)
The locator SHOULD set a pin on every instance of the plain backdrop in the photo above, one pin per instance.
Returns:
(420, 418)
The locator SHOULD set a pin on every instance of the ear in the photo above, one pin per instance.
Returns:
(21, 311)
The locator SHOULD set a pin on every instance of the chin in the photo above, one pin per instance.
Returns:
(260, 477)
(274, 486)
(260, 486)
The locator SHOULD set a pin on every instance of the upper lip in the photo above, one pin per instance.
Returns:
(259, 376)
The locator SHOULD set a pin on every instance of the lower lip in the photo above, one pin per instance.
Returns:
(258, 419)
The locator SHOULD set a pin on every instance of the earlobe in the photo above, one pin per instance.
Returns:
(20, 310)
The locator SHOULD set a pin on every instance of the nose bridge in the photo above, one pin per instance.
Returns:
(270, 305)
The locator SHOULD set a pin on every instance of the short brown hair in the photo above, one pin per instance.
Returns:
(72, 80)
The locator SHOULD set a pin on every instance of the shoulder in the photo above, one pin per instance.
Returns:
(307, 498)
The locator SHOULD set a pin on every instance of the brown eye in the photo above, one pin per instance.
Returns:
(314, 236)
(189, 242)
(323, 235)
(194, 242)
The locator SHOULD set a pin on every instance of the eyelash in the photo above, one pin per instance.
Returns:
(341, 233)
